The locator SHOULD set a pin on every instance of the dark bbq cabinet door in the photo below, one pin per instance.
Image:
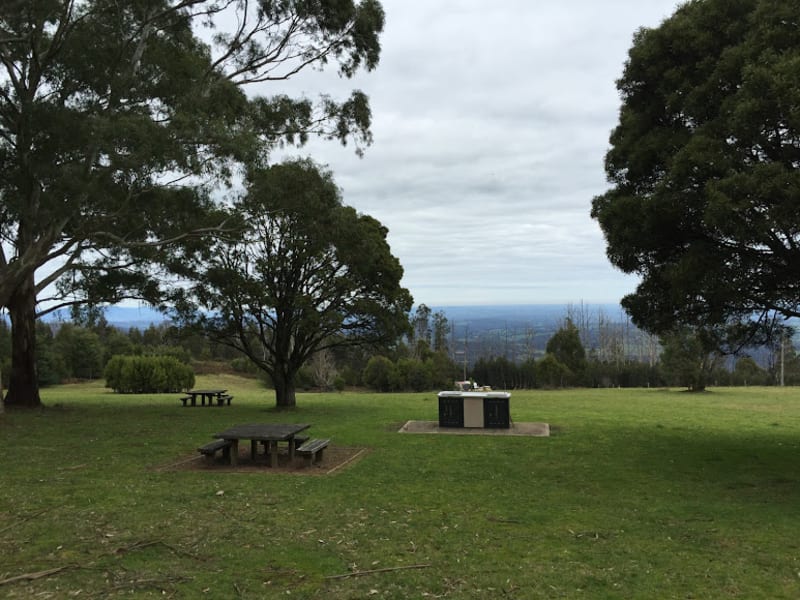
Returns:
(496, 413)
(451, 412)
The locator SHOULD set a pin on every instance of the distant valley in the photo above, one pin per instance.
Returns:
(475, 318)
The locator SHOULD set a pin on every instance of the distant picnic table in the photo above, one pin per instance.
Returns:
(212, 396)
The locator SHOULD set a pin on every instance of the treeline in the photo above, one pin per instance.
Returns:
(501, 373)
(579, 353)
(424, 360)
(679, 360)
(68, 351)
(82, 349)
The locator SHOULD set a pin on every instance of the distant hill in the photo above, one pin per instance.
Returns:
(520, 316)
(542, 317)
(121, 317)
(516, 331)
(513, 331)
(126, 317)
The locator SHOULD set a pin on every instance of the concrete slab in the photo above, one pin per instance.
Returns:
(519, 429)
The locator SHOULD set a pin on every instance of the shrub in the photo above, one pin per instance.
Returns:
(244, 366)
(552, 373)
(147, 374)
(339, 383)
(414, 375)
(380, 374)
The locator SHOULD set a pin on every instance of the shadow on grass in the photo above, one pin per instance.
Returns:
(759, 465)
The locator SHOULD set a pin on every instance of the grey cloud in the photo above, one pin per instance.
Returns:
(490, 123)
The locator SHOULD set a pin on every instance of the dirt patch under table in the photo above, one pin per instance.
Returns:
(334, 458)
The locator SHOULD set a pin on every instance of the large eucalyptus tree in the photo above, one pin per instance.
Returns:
(304, 274)
(704, 167)
(118, 118)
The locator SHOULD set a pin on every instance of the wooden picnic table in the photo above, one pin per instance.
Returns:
(212, 395)
(268, 433)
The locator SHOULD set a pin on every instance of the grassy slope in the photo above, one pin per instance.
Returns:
(638, 494)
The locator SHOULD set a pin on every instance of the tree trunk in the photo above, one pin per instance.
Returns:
(23, 384)
(284, 390)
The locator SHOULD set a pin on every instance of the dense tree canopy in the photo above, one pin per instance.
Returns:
(118, 118)
(306, 274)
(704, 166)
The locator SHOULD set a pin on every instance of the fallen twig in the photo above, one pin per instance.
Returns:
(348, 461)
(36, 575)
(74, 467)
(139, 545)
(501, 520)
(372, 571)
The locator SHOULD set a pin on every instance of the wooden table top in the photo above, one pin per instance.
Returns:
(262, 431)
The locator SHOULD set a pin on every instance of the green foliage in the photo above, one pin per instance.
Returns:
(435, 372)
(307, 274)
(429, 331)
(50, 365)
(117, 120)
(153, 336)
(244, 365)
(350, 375)
(80, 351)
(116, 343)
(552, 373)
(442, 370)
(177, 352)
(147, 374)
(625, 373)
(380, 374)
(687, 359)
(704, 166)
(413, 375)
(566, 347)
(747, 372)
(500, 373)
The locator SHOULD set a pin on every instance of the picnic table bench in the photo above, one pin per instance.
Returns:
(211, 448)
(312, 450)
(298, 441)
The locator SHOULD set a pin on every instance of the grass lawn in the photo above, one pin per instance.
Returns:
(637, 494)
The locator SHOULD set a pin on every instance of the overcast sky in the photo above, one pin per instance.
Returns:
(490, 124)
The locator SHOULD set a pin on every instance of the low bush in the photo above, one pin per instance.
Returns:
(147, 374)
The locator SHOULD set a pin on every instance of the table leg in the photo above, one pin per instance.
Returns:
(273, 454)
(234, 452)
(194, 400)
(253, 449)
(291, 449)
